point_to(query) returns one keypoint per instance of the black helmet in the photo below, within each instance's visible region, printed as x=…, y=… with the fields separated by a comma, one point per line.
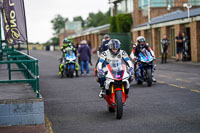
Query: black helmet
x=114, y=44
x=141, y=39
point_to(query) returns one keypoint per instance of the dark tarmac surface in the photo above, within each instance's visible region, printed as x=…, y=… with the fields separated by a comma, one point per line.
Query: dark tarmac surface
x=172, y=105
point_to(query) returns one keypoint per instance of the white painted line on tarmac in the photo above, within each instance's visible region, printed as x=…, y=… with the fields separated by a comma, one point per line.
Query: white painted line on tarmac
x=182, y=87
x=160, y=82
x=164, y=76
x=194, y=90
x=187, y=81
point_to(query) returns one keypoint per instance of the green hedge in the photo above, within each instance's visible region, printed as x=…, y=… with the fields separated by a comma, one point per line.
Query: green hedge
x=121, y=23
x=113, y=26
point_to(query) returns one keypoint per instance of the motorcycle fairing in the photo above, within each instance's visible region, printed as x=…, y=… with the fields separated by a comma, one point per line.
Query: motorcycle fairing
x=117, y=75
x=145, y=56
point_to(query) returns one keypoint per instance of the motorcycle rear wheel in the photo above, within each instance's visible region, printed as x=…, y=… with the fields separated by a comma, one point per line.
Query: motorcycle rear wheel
x=119, y=104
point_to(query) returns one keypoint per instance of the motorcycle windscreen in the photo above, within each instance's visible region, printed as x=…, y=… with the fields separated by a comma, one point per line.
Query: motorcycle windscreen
x=117, y=69
x=70, y=55
x=145, y=56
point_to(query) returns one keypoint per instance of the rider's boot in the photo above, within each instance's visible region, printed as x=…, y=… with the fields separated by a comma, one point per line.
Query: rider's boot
x=153, y=78
x=77, y=73
x=102, y=92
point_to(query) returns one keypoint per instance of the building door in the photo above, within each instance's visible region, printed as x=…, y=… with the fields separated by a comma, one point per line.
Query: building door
x=172, y=43
x=187, y=33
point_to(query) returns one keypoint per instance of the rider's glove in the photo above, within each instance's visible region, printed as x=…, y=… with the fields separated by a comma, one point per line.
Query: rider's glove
x=154, y=58
x=101, y=73
x=131, y=71
x=135, y=59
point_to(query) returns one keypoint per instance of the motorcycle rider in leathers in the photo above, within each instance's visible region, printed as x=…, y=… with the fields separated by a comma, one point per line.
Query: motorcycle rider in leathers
x=67, y=45
x=113, y=53
x=141, y=43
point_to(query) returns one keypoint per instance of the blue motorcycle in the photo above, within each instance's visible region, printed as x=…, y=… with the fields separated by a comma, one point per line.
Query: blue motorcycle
x=70, y=63
x=67, y=63
x=144, y=66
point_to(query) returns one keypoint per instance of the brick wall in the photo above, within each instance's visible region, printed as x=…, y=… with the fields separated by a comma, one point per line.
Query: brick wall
x=135, y=35
x=180, y=2
x=195, y=41
x=156, y=11
x=155, y=41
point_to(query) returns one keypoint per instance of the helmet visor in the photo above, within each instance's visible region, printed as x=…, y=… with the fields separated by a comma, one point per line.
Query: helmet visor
x=142, y=40
x=115, y=45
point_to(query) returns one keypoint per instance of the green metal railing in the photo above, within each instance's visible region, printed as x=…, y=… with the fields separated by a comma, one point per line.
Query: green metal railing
x=26, y=64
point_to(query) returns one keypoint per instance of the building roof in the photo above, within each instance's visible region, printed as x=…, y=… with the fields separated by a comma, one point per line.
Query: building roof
x=172, y=16
x=92, y=30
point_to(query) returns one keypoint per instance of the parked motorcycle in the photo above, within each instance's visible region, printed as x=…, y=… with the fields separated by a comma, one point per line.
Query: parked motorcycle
x=116, y=86
x=143, y=71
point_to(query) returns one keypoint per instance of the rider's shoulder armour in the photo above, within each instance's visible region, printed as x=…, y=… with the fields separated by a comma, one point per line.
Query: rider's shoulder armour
x=123, y=53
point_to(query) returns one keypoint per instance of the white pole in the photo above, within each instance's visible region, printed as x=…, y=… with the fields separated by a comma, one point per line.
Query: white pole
x=111, y=9
x=149, y=12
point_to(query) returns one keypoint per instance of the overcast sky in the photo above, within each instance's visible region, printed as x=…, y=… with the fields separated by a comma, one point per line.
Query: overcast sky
x=39, y=13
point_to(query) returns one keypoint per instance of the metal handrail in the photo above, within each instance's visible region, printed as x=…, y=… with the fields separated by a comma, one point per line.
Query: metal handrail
x=27, y=64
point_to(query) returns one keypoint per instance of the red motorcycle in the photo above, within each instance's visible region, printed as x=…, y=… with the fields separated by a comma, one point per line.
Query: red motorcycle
x=117, y=86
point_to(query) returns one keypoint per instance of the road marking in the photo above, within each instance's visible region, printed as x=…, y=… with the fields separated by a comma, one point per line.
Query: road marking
x=194, y=90
x=160, y=82
x=182, y=87
x=183, y=80
x=48, y=124
x=164, y=76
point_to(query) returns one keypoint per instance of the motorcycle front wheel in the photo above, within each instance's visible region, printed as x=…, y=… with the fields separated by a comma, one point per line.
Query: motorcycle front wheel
x=149, y=77
x=71, y=70
x=119, y=104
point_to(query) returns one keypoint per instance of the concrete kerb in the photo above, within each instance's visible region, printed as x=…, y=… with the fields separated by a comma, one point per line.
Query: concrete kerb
x=18, y=103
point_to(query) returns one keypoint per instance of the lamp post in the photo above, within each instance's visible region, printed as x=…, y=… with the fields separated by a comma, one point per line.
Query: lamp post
x=188, y=6
x=149, y=11
x=111, y=9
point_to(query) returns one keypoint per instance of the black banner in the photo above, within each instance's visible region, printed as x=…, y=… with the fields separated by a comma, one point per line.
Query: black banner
x=14, y=21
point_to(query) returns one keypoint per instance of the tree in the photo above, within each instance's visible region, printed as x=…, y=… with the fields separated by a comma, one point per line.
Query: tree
x=121, y=23
x=58, y=24
x=79, y=18
x=98, y=19
x=55, y=41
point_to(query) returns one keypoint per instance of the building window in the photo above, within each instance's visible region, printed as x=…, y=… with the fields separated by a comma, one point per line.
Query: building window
x=125, y=6
x=130, y=6
x=143, y=4
x=195, y=2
